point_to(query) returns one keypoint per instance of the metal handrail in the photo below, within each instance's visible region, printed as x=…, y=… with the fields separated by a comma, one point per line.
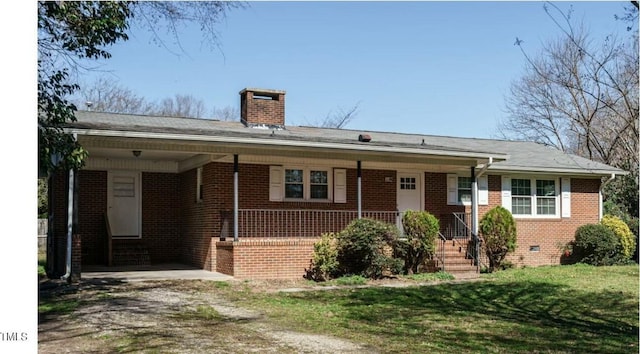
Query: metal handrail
x=443, y=242
x=465, y=242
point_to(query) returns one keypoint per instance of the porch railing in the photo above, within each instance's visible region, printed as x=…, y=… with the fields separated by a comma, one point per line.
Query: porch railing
x=297, y=223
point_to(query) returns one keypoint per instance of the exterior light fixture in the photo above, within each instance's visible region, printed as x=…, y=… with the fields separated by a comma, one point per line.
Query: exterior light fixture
x=136, y=153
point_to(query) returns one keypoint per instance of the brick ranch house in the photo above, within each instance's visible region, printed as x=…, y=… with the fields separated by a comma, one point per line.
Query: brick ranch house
x=250, y=198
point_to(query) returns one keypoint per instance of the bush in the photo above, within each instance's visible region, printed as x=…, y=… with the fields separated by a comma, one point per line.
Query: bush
x=499, y=231
x=364, y=248
x=597, y=245
x=624, y=234
x=324, y=265
x=421, y=231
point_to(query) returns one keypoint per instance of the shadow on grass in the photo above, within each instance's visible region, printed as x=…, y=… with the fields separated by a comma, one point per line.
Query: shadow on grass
x=489, y=317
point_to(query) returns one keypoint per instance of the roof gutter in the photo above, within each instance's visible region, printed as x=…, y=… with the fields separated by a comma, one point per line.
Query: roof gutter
x=600, y=201
x=485, y=167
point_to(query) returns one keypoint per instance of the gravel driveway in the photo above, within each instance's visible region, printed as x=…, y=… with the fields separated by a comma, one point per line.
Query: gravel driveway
x=166, y=317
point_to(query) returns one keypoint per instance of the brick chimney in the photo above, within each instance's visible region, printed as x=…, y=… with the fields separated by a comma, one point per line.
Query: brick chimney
x=262, y=108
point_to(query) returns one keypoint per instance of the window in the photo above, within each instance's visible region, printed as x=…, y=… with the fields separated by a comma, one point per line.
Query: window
x=459, y=190
x=319, y=184
x=408, y=183
x=521, y=196
x=534, y=197
x=294, y=184
x=464, y=190
x=305, y=184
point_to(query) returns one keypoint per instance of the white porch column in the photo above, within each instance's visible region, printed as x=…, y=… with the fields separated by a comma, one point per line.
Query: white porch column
x=235, y=198
x=474, y=215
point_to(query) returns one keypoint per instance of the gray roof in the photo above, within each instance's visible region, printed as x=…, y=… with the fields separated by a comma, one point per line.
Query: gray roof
x=521, y=156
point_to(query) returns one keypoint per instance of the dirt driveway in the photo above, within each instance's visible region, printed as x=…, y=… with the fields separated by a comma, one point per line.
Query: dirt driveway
x=169, y=316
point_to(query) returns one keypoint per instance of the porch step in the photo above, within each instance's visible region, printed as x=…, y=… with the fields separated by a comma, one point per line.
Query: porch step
x=455, y=260
x=130, y=254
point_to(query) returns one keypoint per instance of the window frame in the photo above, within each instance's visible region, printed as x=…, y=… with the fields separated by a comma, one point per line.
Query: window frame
x=470, y=189
x=306, y=183
x=533, y=197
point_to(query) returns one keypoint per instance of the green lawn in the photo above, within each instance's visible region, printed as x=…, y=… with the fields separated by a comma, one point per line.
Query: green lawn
x=561, y=309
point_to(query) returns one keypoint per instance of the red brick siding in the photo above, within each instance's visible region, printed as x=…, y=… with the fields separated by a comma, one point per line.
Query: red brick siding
x=161, y=216
x=262, y=111
x=552, y=234
x=267, y=259
x=202, y=221
x=435, y=196
x=92, y=205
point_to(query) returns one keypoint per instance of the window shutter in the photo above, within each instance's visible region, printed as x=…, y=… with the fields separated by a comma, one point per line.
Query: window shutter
x=452, y=189
x=339, y=185
x=483, y=190
x=566, y=197
x=276, y=181
x=506, y=193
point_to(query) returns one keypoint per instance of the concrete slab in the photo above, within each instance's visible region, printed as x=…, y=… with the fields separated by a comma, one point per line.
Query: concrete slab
x=154, y=272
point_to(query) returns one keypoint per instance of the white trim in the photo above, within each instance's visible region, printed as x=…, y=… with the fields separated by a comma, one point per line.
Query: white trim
x=565, y=197
x=339, y=185
x=483, y=190
x=276, y=183
x=306, y=183
x=533, y=196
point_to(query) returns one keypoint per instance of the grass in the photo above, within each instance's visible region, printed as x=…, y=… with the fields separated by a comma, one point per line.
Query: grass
x=557, y=309
x=42, y=261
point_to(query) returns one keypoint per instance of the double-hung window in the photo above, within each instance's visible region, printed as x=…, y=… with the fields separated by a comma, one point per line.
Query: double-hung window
x=319, y=184
x=464, y=190
x=306, y=184
x=535, y=197
x=294, y=184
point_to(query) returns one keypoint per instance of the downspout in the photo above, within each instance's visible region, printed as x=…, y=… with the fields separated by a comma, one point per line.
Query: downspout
x=474, y=206
x=359, y=189
x=235, y=198
x=600, y=202
x=70, y=214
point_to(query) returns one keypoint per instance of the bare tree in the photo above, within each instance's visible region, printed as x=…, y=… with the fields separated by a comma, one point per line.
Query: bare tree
x=107, y=95
x=180, y=106
x=579, y=97
x=339, y=118
x=227, y=113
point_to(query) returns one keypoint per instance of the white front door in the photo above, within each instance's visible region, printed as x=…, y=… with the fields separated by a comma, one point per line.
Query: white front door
x=409, y=193
x=123, y=203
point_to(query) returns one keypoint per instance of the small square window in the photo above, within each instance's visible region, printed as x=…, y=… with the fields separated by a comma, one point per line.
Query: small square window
x=408, y=183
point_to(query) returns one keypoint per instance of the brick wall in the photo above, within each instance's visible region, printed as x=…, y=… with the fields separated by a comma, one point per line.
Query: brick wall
x=92, y=206
x=202, y=221
x=268, y=110
x=550, y=234
x=266, y=259
x=161, y=216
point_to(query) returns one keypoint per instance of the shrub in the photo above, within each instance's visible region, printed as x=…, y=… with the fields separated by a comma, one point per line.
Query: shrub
x=324, y=265
x=499, y=231
x=364, y=248
x=622, y=231
x=421, y=230
x=597, y=245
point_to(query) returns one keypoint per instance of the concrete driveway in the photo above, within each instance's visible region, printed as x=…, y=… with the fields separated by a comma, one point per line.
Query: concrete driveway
x=154, y=272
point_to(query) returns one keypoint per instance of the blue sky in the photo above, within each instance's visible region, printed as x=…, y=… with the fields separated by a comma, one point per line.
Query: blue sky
x=438, y=68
